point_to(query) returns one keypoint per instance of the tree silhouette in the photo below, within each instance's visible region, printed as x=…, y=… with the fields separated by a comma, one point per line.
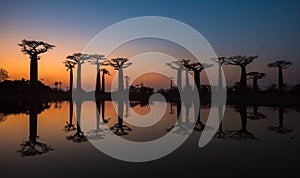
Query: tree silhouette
x=281, y=128
x=255, y=76
x=177, y=65
x=95, y=60
x=255, y=115
x=32, y=147
x=281, y=64
x=79, y=59
x=241, y=61
x=79, y=136
x=119, y=64
x=119, y=128
x=220, y=61
x=243, y=133
x=69, y=125
x=104, y=72
x=3, y=75
x=186, y=63
x=197, y=68
x=70, y=65
x=34, y=49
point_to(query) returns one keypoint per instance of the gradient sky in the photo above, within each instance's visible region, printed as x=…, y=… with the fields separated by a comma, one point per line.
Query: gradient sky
x=269, y=29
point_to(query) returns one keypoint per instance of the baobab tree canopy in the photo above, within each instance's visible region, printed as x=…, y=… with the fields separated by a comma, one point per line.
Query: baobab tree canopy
x=77, y=57
x=240, y=60
x=281, y=63
x=118, y=63
x=34, y=48
x=256, y=75
x=197, y=66
x=69, y=64
x=220, y=60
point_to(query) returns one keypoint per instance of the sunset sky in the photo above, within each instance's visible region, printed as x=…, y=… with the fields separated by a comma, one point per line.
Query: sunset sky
x=269, y=29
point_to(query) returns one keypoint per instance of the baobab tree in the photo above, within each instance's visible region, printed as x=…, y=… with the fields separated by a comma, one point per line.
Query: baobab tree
x=186, y=63
x=281, y=64
x=243, y=133
x=220, y=61
x=34, y=49
x=79, y=58
x=197, y=68
x=96, y=59
x=70, y=65
x=119, y=64
x=3, y=75
x=177, y=65
x=69, y=125
x=32, y=146
x=241, y=61
x=104, y=72
x=255, y=76
x=281, y=128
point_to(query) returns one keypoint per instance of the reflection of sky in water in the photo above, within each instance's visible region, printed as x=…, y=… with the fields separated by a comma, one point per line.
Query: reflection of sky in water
x=273, y=151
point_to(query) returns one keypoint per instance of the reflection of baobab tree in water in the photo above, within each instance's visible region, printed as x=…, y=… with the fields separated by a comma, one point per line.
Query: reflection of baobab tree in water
x=281, y=128
x=119, y=128
x=243, y=133
x=32, y=147
x=220, y=133
x=96, y=134
x=183, y=127
x=255, y=115
x=69, y=125
x=79, y=136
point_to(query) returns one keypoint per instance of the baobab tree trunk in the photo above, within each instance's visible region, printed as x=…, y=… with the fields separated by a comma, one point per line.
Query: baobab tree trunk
x=243, y=80
x=33, y=71
x=97, y=90
x=121, y=82
x=33, y=125
x=179, y=80
x=103, y=82
x=243, y=115
x=187, y=81
x=71, y=81
x=280, y=80
x=220, y=81
x=197, y=80
x=79, y=88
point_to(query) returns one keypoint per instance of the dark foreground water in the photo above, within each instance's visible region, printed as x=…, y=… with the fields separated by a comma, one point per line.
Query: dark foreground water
x=265, y=143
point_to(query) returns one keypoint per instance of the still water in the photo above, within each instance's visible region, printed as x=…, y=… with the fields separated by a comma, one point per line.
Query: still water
x=255, y=141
